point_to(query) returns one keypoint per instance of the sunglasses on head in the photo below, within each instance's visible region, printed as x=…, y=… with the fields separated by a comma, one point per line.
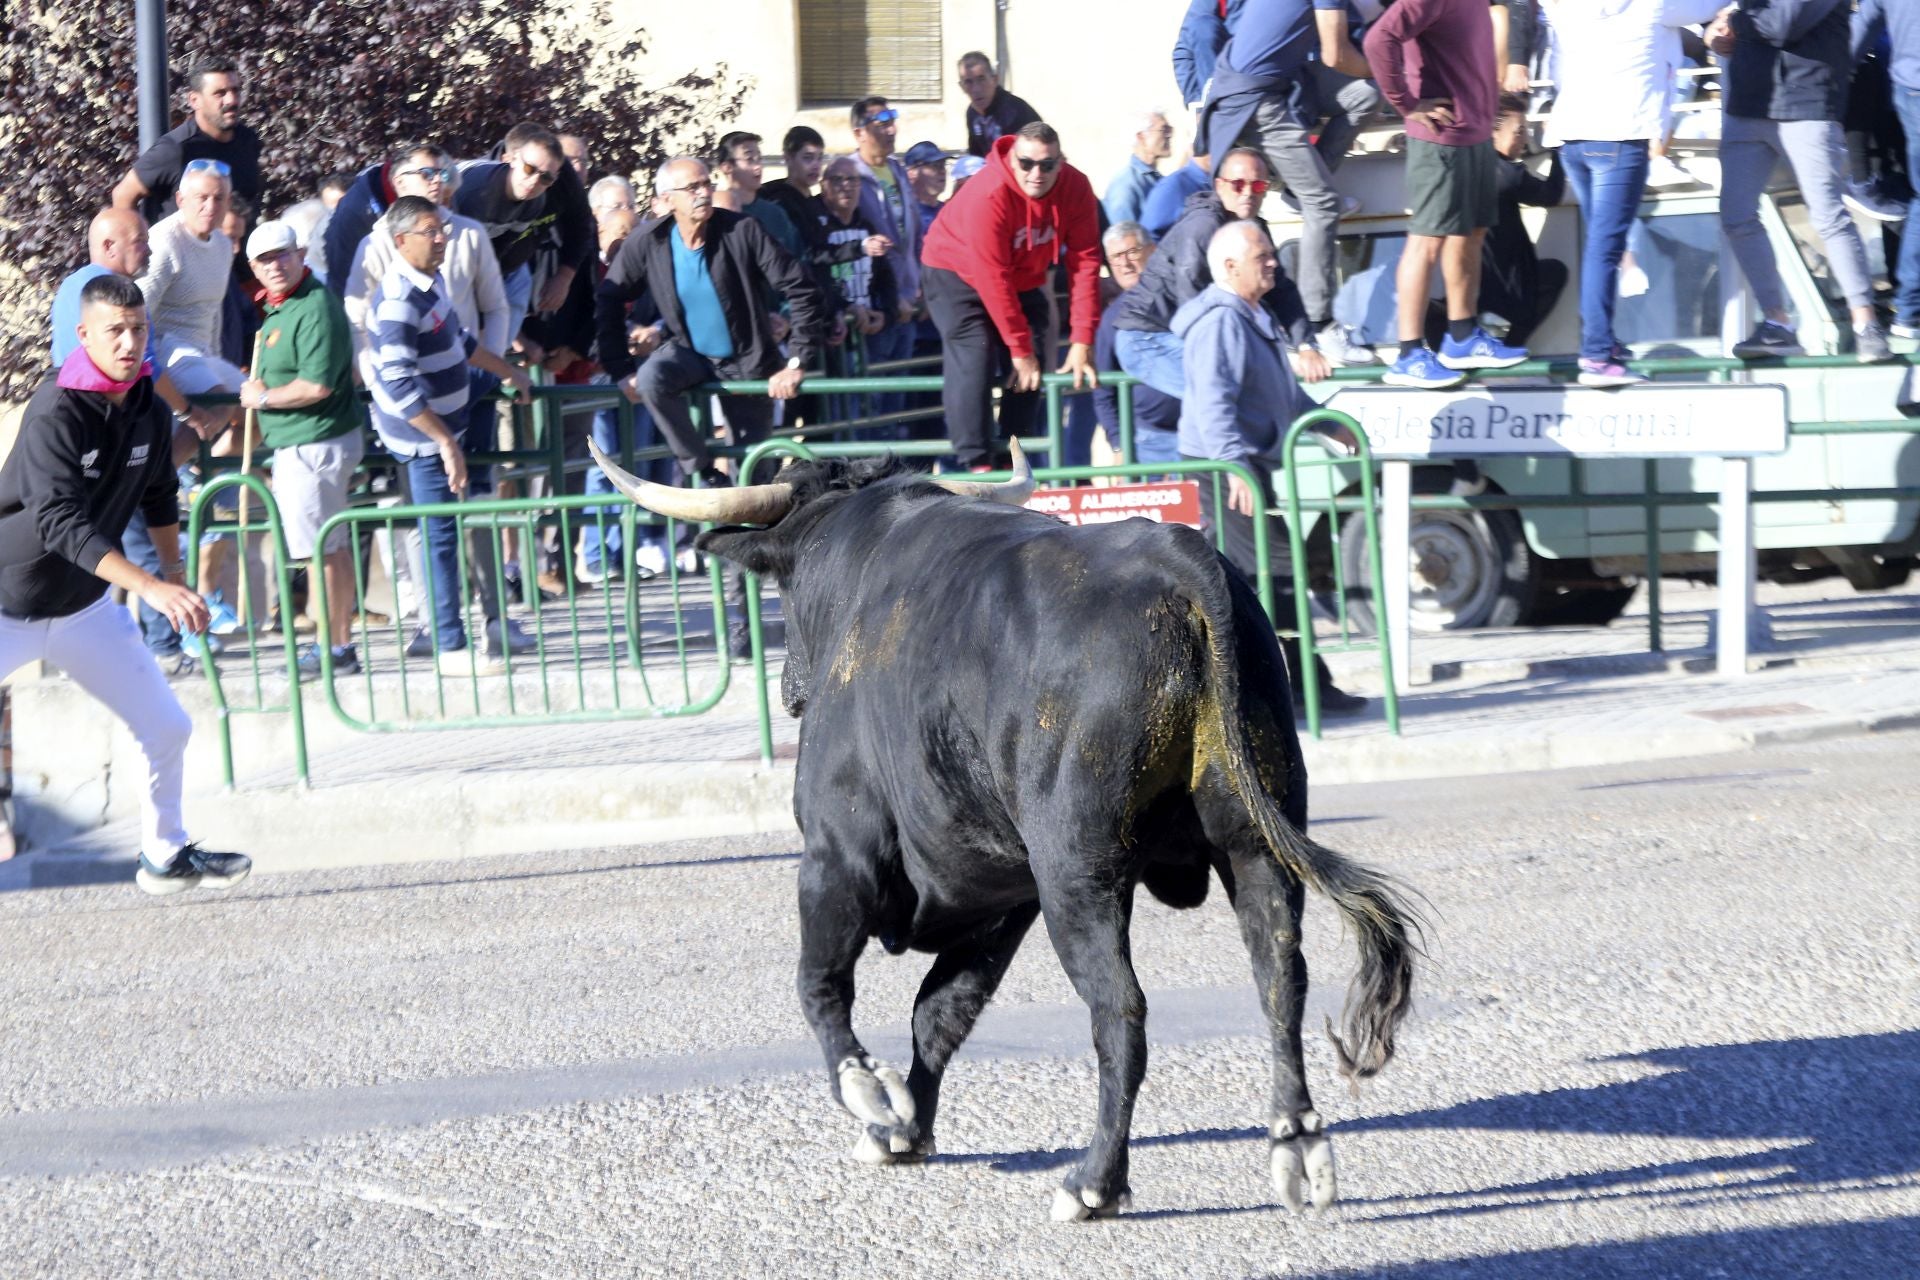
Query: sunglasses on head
x=1240, y=186
x=1028, y=164
x=881, y=117
x=208, y=166
x=538, y=174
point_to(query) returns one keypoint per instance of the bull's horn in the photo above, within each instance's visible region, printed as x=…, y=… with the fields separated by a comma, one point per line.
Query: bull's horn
x=745, y=504
x=1014, y=492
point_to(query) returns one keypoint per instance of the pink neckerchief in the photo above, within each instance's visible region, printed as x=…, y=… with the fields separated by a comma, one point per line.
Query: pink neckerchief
x=80, y=373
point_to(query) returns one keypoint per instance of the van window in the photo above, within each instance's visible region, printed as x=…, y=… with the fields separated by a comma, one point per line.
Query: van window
x=1669, y=281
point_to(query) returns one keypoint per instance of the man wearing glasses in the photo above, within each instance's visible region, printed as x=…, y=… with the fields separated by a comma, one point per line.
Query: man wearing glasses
x=516, y=200
x=1127, y=193
x=986, y=265
x=212, y=131
x=359, y=210
x=992, y=112
x=707, y=271
x=185, y=286
x=1143, y=337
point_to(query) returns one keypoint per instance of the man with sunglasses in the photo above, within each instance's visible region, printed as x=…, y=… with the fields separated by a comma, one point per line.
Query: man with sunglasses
x=358, y=211
x=986, y=265
x=992, y=112
x=211, y=131
x=523, y=199
x=1143, y=338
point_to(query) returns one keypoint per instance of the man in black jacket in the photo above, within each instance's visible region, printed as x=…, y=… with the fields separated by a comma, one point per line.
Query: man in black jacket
x=1178, y=272
x=708, y=271
x=95, y=445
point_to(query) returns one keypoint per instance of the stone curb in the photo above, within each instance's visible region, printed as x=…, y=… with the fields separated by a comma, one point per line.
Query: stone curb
x=455, y=816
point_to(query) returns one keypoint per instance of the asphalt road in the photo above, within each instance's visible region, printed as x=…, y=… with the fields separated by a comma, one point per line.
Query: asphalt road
x=1670, y=1027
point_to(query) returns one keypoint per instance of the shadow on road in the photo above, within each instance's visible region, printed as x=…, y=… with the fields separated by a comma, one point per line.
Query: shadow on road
x=1836, y=1113
x=1841, y=1249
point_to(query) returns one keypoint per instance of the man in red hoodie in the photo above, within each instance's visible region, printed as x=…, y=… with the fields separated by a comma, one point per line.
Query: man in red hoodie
x=984, y=276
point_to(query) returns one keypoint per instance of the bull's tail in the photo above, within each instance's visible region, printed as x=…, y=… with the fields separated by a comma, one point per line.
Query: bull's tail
x=1388, y=928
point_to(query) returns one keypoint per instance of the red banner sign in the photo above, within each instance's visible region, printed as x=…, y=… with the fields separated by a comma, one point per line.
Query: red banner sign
x=1173, y=502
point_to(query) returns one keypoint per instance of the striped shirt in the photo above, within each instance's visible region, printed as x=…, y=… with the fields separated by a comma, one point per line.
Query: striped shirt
x=420, y=355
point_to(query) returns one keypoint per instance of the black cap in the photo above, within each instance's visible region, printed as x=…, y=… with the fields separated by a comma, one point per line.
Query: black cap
x=923, y=153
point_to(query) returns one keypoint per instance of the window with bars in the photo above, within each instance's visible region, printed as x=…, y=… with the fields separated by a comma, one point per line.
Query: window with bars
x=850, y=49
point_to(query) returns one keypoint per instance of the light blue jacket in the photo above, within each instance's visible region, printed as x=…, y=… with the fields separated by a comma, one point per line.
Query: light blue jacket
x=1241, y=395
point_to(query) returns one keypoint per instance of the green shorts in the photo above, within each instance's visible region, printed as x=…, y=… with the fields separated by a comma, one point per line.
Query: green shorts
x=1450, y=190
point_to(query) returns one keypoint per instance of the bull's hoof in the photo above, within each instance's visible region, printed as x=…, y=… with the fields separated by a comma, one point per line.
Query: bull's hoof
x=882, y=1147
x=1302, y=1166
x=1086, y=1205
x=875, y=1094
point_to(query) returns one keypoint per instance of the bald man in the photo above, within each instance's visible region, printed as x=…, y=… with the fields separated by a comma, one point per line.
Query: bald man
x=117, y=245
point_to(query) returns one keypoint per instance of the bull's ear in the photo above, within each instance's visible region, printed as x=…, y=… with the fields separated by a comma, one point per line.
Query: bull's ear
x=762, y=551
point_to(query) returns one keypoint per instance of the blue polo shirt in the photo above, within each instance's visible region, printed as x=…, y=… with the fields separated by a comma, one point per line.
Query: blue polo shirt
x=1273, y=39
x=699, y=301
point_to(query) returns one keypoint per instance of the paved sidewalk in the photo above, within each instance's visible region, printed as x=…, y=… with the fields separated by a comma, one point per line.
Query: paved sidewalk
x=1486, y=702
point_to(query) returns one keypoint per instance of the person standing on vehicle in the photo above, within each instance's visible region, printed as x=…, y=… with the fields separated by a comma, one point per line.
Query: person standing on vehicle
x=1788, y=66
x=95, y=445
x=1615, y=101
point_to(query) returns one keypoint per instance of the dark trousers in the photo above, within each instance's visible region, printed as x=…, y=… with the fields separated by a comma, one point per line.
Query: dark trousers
x=973, y=355
x=664, y=380
x=1233, y=533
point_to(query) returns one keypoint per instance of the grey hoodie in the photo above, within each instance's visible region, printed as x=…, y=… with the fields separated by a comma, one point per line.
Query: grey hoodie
x=1241, y=395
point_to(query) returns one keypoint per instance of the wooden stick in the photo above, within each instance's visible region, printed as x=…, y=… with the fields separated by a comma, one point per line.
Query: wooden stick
x=249, y=422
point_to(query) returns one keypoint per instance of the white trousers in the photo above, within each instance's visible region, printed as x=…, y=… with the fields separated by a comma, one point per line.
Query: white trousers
x=100, y=647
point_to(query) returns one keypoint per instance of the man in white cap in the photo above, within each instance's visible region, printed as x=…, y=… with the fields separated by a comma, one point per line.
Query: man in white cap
x=310, y=418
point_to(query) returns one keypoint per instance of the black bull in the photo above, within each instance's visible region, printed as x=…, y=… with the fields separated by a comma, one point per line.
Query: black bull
x=1005, y=717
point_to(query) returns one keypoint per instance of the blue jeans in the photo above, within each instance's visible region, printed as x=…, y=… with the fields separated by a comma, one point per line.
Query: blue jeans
x=1906, y=298
x=1608, y=179
x=1155, y=444
x=1154, y=358
x=426, y=483
x=519, y=287
x=606, y=434
x=136, y=544
x=895, y=342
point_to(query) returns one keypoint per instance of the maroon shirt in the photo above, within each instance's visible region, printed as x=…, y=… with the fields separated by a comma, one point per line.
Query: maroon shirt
x=1438, y=49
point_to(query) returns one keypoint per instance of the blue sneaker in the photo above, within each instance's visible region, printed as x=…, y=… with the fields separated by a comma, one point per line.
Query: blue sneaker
x=1422, y=369
x=1480, y=350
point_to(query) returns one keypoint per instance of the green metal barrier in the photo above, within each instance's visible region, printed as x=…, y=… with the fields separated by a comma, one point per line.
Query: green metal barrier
x=1297, y=545
x=269, y=524
x=581, y=650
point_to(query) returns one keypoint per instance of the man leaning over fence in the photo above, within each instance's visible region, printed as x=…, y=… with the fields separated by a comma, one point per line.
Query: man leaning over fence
x=303, y=391
x=420, y=402
x=708, y=271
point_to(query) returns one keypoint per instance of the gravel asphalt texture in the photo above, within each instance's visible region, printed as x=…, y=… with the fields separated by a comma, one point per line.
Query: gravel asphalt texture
x=1670, y=1026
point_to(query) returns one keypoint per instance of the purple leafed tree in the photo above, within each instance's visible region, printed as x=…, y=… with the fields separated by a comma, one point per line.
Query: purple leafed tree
x=329, y=84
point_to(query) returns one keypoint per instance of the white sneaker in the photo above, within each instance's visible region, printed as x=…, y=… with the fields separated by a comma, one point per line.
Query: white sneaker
x=1664, y=172
x=1343, y=344
x=1899, y=330
x=650, y=560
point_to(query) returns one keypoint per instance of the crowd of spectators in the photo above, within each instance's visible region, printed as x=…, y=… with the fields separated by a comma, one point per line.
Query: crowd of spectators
x=421, y=282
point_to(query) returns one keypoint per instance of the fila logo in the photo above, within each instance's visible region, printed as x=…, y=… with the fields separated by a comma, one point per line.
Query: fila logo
x=138, y=455
x=90, y=457
x=1022, y=241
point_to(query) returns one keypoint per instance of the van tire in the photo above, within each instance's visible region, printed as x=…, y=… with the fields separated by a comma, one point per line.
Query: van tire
x=1488, y=576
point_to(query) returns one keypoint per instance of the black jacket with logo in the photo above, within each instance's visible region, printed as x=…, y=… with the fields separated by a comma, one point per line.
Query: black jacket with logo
x=79, y=470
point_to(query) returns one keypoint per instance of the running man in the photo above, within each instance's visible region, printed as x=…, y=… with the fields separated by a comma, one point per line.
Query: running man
x=95, y=445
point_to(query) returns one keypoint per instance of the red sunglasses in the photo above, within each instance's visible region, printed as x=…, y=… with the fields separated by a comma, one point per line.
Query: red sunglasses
x=1240, y=185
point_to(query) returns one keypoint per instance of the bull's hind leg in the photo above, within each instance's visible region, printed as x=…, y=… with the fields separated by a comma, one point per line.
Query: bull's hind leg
x=1087, y=916
x=833, y=933
x=1268, y=902
x=963, y=978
